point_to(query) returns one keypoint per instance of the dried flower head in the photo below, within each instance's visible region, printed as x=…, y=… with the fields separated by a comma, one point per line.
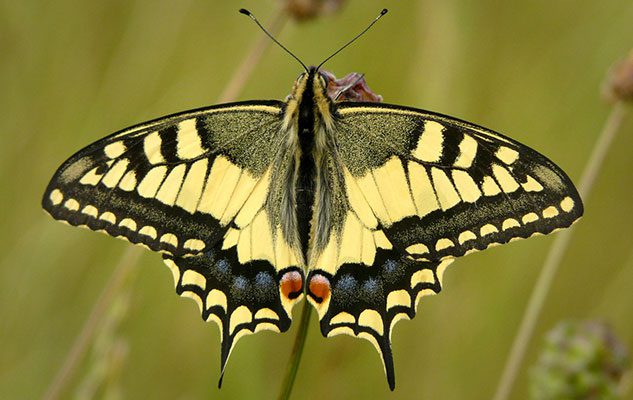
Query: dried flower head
x=304, y=10
x=619, y=83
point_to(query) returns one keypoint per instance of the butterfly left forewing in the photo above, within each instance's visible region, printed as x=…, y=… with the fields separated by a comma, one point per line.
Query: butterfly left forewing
x=422, y=189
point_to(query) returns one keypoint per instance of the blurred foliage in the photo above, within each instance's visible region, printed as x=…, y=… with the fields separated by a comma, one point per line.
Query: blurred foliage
x=72, y=72
x=580, y=361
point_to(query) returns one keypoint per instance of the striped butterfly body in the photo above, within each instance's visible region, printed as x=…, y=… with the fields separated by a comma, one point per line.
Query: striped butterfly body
x=358, y=206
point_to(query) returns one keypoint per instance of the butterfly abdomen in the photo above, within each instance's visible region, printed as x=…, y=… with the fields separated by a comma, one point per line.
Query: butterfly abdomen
x=305, y=187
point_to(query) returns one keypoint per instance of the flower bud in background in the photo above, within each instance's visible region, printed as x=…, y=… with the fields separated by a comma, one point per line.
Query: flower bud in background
x=619, y=83
x=580, y=360
x=304, y=10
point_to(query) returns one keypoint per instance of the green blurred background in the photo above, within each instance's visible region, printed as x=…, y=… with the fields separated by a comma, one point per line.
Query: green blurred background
x=74, y=71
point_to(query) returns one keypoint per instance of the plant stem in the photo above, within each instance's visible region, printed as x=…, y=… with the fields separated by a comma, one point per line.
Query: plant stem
x=297, y=351
x=554, y=257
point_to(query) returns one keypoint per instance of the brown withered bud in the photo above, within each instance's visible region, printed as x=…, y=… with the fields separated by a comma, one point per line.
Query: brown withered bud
x=351, y=87
x=303, y=10
x=618, y=85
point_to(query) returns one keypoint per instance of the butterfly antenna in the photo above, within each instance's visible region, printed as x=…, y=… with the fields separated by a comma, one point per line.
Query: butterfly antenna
x=383, y=12
x=248, y=13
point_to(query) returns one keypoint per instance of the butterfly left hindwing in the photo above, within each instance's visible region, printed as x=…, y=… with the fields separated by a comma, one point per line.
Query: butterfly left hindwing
x=197, y=187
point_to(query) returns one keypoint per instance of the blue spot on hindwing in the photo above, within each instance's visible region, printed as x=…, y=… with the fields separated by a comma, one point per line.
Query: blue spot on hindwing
x=392, y=271
x=371, y=292
x=265, y=287
x=241, y=289
x=345, y=291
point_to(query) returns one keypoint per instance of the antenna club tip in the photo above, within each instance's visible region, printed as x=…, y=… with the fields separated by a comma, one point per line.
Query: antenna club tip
x=245, y=12
x=384, y=11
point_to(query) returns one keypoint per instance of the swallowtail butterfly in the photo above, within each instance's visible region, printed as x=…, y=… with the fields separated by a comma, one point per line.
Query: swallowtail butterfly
x=357, y=206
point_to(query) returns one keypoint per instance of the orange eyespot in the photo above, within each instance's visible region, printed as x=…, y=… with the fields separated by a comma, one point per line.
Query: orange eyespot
x=291, y=284
x=319, y=288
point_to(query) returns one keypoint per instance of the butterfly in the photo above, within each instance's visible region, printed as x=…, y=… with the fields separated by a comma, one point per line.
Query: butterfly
x=358, y=206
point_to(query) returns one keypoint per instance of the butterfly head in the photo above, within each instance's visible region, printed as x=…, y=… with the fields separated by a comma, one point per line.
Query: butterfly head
x=318, y=81
x=309, y=96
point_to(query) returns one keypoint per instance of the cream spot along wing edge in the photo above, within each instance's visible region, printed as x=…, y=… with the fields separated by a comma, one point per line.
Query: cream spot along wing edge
x=445, y=209
x=175, y=185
